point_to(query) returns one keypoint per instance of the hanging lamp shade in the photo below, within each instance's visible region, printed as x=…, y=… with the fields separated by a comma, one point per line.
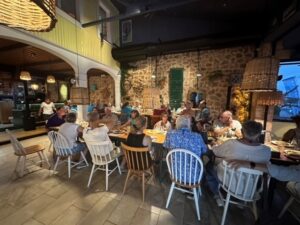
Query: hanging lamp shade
x=50, y=79
x=31, y=15
x=79, y=96
x=34, y=86
x=260, y=75
x=25, y=75
x=270, y=98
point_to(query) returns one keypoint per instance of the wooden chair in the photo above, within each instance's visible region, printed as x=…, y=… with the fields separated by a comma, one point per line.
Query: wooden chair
x=293, y=199
x=241, y=184
x=102, y=156
x=139, y=164
x=23, y=152
x=186, y=170
x=62, y=150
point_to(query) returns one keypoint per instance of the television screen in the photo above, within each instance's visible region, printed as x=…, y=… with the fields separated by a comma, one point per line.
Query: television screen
x=289, y=84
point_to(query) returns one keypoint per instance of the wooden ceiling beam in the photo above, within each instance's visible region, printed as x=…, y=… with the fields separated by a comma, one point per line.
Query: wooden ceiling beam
x=12, y=47
x=57, y=61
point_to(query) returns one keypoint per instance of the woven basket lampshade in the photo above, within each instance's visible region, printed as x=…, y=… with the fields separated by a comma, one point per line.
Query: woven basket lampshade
x=79, y=96
x=50, y=79
x=260, y=75
x=31, y=15
x=25, y=75
x=270, y=98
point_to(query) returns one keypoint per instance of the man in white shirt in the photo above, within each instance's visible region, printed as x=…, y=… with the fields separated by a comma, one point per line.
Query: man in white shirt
x=225, y=125
x=47, y=109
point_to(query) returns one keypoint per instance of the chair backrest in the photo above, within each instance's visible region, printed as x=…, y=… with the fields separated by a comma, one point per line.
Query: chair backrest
x=17, y=146
x=100, y=152
x=60, y=143
x=137, y=158
x=241, y=183
x=185, y=167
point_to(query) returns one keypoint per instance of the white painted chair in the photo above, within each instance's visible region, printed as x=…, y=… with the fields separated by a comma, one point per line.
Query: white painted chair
x=62, y=149
x=102, y=156
x=293, y=199
x=241, y=184
x=23, y=152
x=186, y=170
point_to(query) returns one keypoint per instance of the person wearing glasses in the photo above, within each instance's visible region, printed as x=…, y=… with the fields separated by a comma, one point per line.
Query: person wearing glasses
x=227, y=126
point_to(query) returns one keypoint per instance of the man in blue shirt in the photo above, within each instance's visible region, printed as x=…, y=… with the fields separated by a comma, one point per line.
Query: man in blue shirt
x=56, y=119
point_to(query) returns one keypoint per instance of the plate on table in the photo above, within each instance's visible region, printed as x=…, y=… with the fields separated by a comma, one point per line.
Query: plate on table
x=283, y=143
x=117, y=132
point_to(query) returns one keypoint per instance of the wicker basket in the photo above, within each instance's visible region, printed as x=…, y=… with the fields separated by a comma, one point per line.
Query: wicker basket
x=31, y=15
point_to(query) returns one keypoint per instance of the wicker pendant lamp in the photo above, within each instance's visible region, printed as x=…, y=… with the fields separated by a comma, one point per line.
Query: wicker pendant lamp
x=260, y=75
x=31, y=15
x=79, y=96
x=270, y=98
x=25, y=75
x=51, y=79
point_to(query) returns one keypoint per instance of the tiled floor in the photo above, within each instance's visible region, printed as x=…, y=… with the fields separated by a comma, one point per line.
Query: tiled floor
x=43, y=198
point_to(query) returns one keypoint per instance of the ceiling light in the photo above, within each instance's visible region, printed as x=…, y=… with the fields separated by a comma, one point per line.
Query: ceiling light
x=25, y=75
x=34, y=86
x=50, y=79
x=33, y=15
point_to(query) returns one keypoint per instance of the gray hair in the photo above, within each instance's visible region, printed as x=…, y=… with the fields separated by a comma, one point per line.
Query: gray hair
x=251, y=130
x=183, y=122
x=71, y=117
x=93, y=116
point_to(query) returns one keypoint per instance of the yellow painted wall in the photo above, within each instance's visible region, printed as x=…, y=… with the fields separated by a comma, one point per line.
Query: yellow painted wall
x=85, y=41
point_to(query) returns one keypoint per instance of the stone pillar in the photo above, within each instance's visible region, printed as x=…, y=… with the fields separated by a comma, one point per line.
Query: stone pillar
x=117, y=80
x=82, y=109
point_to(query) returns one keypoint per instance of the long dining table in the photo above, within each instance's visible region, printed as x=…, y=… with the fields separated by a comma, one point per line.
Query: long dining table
x=158, y=137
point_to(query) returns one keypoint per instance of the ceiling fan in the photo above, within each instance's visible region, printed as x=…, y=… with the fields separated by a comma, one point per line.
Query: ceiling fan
x=138, y=10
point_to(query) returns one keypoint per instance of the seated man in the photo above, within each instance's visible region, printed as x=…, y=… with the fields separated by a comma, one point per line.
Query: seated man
x=109, y=119
x=163, y=124
x=181, y=108
x=71, y=131
x=247, y=149
x=225, y=125
x=293, y=134
x=57, y=119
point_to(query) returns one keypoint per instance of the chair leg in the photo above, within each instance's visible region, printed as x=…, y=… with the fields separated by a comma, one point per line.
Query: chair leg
x=50, y=146
x=286, y=206
x=83, y=157
x=118, y=165
x=41, y=159
x=23, y=166
x=170, y=194
x=199, y=191
x=127, y=178
x=196, y=202
x=255, y=210
x=17, y=164
x=55, y=166
x=46, y=158
x=143, y=185
x=106, y=177
x=91, y=175
x=225, y=209
x=69, y=166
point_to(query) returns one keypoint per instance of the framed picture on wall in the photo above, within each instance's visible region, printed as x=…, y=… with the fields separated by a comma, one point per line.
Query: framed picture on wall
x=126, y=31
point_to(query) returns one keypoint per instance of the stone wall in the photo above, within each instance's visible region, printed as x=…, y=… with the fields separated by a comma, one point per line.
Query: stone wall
x=220, y=68
x=102, y=89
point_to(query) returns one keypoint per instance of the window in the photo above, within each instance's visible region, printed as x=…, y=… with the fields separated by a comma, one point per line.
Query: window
x=102, y=26
x=68, y=6
x=289, y=84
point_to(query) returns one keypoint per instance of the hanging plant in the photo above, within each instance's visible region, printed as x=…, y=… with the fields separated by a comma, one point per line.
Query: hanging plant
x=214, y=75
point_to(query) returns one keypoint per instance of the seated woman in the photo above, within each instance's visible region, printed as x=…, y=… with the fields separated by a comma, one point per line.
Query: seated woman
x=132, y=121
x=163, y=124
x=199, y=127
x=96, y=132
x=136, y=137
x=71, y=131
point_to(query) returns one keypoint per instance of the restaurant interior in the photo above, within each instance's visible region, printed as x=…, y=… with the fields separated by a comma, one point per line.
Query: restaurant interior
x=190, y=109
